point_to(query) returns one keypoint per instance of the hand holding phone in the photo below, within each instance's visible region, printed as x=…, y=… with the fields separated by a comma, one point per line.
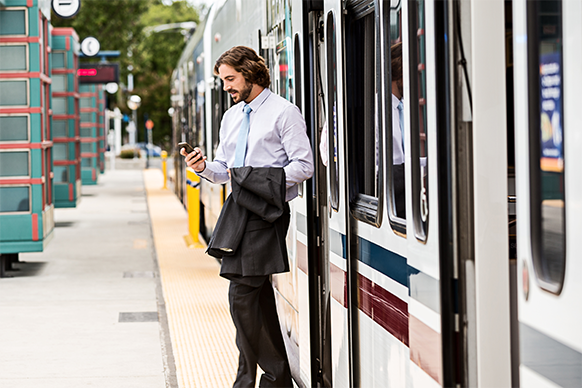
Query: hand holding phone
x=187, y=147
x=194, y=158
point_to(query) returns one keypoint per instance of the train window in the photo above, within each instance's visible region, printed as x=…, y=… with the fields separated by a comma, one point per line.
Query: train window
x=418, y=118
x=13, y=22
x=86, y=132
x=297, y=71
x=363, y=118
x=59, y=60
x=59, y=105
x=88, y=148
x=60, y=128
x=546, y=134
x=298, y=91
x=87, y=162
x=285, y=76
x=394, y=114
x=332, y=112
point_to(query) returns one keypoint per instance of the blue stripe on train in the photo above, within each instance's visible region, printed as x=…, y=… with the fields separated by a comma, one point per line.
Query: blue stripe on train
x=421, y=286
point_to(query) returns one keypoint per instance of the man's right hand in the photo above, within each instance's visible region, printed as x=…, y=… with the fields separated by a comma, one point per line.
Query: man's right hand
x=194, y=159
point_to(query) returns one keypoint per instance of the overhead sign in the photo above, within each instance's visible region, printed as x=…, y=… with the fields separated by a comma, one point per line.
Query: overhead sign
x=66, y=8
x=90, y=46
x=98, y=73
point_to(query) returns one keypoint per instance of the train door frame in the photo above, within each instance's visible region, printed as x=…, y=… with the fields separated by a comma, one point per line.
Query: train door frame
x=316, y=191
x=549, y=314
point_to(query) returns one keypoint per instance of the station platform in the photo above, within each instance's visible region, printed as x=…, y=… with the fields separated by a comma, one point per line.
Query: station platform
x=117, y=299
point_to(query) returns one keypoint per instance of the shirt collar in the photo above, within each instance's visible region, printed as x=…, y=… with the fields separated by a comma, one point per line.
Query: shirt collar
x=258, y=101
x=395, y=101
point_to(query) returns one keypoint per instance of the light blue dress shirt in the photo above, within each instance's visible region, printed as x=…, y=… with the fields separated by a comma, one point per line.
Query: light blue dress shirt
x=277, y=138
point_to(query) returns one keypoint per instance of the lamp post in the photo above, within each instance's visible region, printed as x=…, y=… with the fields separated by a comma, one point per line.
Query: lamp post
x=133, y=102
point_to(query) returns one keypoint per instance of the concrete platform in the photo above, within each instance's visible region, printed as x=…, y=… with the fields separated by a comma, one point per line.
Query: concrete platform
x=95, y=310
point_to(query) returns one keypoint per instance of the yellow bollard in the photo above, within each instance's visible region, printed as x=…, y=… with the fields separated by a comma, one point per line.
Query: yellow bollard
x=193, y=195
x=164, y=168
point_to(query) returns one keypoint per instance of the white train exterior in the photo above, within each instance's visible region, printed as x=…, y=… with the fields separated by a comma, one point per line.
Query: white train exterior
x=475, y=285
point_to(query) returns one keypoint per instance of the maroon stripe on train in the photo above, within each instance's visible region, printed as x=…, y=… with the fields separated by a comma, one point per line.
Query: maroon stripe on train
x=302, y=257
x=425, y=348
x=384, y=308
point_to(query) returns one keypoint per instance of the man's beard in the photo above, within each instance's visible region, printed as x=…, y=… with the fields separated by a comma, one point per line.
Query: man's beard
x=243, y=94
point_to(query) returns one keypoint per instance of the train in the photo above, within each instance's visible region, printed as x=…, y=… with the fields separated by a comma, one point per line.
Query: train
x=471, y=283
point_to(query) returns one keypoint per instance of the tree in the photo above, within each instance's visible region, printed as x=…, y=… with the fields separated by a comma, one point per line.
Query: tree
x=122, y=25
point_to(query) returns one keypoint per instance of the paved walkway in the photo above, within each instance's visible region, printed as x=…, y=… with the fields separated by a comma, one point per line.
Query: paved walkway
x=89, y=311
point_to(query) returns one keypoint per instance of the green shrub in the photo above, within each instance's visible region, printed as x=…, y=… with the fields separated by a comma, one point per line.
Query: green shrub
x=129, y=154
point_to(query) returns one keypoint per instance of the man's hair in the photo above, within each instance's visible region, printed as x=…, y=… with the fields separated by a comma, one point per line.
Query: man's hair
x=396, y=61
x=246, y=61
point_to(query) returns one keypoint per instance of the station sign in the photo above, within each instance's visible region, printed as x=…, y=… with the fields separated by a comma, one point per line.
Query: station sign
x=90, y=46
x=98, y=73
x=66, y=8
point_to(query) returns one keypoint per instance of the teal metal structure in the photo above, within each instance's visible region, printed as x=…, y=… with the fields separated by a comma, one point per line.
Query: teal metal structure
x=26, y=146
x=65, y=118
x=92, y=105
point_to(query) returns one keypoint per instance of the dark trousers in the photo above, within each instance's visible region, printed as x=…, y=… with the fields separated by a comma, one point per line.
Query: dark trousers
x=258, y=333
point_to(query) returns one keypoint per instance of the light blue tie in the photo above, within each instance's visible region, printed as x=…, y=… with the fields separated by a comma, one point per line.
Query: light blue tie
x=243, y=134
x=401, y=121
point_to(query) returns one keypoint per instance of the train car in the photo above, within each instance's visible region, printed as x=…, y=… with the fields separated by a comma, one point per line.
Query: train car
x=429, y=248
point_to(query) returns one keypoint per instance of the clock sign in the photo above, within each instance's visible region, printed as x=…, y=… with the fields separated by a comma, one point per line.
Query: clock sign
x=90, y=46
x=66, y=8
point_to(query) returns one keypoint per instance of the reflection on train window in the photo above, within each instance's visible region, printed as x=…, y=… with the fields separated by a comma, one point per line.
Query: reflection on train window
x=418, y=118
x=14, y=199
x=548, y=205
x=332, y=106
x=298, y=91
x=363, y=119
x=394, y=113
x=297, y=71
x=285, y=76
x=61, y=174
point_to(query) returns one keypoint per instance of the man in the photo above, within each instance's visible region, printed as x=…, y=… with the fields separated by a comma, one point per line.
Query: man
x=276, y=139
x=398, y=130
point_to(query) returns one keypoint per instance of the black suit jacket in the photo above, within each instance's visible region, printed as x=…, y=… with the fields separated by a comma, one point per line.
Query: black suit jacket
x=250, y=233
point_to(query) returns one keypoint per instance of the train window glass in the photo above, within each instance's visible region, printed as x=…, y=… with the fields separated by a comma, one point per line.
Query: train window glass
x=394, y=113
x=297, y=71
x=14, y=199
x=363, y=119
x=418, y=118
x=13, y=58
x=298, y=91
x=285, y=81
x=14, y=163
x=332, y=105
x=86, y=162
x=546, y=131
x=13, y=128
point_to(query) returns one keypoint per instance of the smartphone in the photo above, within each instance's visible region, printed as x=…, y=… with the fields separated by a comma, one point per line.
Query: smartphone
x=187, y=147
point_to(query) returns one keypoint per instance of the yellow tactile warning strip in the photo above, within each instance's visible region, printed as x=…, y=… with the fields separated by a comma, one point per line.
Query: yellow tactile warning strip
x=196, y=297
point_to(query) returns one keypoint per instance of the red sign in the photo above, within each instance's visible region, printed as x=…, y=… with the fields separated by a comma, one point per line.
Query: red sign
x=98, y=73
x=149, y=124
